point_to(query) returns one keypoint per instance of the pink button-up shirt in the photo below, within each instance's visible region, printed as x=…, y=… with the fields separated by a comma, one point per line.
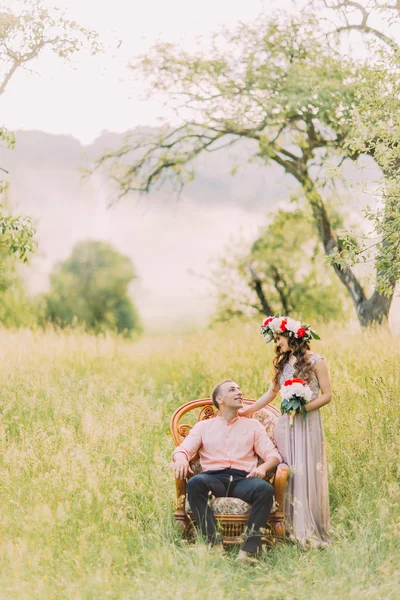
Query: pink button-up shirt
x=223, y=444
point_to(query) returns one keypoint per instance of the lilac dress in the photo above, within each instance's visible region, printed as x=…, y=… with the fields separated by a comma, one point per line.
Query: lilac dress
x=303, y=449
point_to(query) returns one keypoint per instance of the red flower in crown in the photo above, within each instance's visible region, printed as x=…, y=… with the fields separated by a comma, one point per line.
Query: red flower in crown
x=283, y=325
x=301, y=332
x=267, y=321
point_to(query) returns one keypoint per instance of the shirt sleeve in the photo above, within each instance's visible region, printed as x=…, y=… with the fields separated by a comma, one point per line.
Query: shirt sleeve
x=263, y=445
x=190, y=444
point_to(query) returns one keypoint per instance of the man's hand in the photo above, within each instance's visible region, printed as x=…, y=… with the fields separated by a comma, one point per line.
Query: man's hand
x=181, y=468
x=265, y=470
x=259, y=472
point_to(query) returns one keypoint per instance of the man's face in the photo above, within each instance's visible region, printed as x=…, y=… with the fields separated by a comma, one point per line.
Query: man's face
x=230, y=395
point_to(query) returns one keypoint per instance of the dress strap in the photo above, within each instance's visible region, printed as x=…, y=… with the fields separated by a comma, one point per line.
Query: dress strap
x=315, y=357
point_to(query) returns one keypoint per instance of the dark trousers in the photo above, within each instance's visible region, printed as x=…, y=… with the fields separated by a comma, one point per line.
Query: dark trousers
x=233, y=483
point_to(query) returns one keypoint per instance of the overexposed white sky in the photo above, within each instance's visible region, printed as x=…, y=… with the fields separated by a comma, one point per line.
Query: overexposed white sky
x=91, y=94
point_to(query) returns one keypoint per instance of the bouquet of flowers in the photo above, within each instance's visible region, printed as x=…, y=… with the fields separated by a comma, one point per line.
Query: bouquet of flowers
x=295, y=394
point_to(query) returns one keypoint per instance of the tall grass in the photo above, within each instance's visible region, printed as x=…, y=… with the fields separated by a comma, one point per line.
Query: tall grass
x=86, y=495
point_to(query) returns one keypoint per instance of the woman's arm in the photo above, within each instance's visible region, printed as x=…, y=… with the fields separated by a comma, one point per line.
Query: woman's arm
x=324, y=381
x=261, y=402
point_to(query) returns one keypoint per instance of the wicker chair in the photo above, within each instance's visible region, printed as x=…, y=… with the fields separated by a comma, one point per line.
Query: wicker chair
x=231, y=513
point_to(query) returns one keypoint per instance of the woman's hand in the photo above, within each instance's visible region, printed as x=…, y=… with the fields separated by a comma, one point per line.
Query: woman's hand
x=260, y=403
x=246, y=412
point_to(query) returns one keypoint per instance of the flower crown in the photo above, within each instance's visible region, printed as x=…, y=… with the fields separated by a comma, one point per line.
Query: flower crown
x=277, y=325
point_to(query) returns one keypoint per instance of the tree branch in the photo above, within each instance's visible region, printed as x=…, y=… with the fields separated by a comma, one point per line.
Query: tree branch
x=371, y=30
x=256, y=284
x=363, y=27
x=20, y=60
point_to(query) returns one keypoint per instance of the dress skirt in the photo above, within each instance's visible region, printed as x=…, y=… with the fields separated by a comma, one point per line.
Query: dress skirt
x=302, y=447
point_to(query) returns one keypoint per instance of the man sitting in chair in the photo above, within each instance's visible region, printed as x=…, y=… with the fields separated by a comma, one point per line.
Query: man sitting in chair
x=228, y=446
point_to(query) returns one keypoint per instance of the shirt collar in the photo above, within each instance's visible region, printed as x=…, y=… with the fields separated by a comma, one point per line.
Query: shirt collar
x=231, y=422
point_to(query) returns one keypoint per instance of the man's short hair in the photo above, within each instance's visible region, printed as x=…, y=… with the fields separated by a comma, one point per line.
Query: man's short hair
x=216, y=391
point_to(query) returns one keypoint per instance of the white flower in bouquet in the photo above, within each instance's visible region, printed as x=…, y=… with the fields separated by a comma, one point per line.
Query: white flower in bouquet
x=295, y=394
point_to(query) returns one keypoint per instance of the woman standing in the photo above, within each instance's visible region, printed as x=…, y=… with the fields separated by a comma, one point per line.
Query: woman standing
x=301, y=446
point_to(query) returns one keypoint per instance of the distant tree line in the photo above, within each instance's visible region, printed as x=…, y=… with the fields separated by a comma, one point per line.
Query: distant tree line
x=88, y=290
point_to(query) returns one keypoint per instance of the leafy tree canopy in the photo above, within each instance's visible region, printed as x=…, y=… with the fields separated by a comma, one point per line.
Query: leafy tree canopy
x=91, y=288
x=279, y=84
x=283, y=272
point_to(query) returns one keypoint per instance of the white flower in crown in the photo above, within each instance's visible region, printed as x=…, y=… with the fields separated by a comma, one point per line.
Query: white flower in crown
x=277, y=325
x=293, y=325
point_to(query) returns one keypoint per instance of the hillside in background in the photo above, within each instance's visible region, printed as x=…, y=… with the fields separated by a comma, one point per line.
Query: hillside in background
x=164, y=236
x=168, y=239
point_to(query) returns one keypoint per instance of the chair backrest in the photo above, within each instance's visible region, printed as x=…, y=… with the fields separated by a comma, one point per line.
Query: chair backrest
x=200, y=410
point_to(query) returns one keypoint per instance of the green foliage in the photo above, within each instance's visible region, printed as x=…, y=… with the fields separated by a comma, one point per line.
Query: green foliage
x=16, y=232
x=91, y=288
x=16, y=235
x=17, y=308
x=126, y=316
x=287, y=258
x=28, y=27
x=7, y=137
x=279, y=83
x=374, y=129
x=273, y=82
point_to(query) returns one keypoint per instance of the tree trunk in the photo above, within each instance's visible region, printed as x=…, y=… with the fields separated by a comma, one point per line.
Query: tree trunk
x=256, y=284
x=369, y=310
x=282, y=288
x=375, y=309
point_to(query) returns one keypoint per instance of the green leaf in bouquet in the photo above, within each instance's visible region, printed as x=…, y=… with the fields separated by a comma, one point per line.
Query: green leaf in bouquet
x=294, y=404
x=288, y=405
x=285, y=406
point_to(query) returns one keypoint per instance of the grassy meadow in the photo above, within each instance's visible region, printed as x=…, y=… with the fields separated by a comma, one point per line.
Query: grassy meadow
x=87, y=497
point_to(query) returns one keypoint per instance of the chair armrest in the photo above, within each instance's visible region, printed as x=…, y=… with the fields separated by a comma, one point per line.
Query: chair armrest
x=279, y=483
x=180, y=485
